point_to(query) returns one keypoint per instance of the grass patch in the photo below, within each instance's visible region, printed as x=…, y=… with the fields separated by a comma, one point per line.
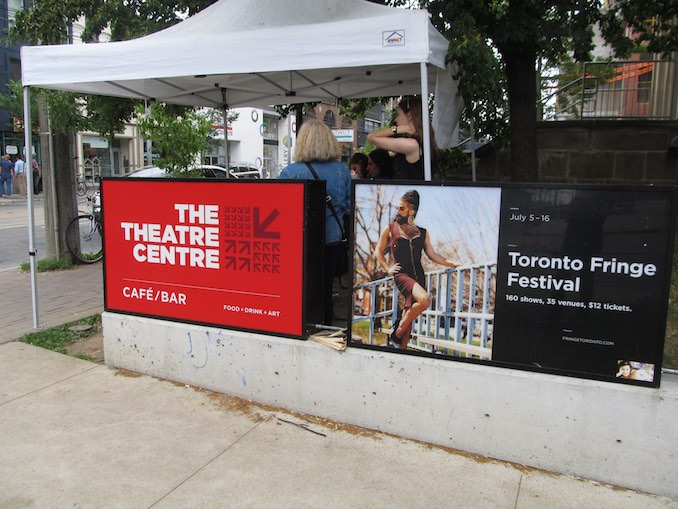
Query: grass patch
x=90, y=256
x=58, y=338
x=362, y=330
x=48, y=264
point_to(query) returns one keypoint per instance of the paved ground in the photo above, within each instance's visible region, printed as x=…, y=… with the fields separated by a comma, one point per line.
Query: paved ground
x=80, y=434
x=62, y=296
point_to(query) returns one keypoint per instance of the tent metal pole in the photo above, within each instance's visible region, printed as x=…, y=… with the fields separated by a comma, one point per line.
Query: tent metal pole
x=28, y=158
x=225, y=109
x=426, y=121
x=148, y=144
x=289, y=138
x=228, y=162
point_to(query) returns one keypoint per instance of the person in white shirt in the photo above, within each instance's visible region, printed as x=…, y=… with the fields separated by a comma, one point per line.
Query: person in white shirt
x=20, y=176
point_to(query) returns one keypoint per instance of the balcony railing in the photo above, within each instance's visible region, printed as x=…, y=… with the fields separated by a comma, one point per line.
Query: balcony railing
x=617, y=90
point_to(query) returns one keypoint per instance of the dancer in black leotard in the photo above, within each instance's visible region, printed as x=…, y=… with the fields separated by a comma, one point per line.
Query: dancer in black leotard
x=406, y=242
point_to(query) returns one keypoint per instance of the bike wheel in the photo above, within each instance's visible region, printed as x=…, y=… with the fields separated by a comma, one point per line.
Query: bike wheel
x=83, y=238
x=81, y=188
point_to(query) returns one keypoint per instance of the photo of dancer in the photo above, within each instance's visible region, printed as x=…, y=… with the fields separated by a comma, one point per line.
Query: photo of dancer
x=406, y=241
x=440, y=303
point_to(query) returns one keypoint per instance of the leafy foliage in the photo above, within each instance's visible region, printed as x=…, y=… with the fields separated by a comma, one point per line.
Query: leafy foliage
x=452, y=162
x=180, y=139
x=13, y=102
x=108, y=115
x=496, y=43
x=653, y=23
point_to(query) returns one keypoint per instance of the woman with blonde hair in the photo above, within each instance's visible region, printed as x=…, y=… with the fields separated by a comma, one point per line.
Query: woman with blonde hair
x=405, y=139
x=318, y=148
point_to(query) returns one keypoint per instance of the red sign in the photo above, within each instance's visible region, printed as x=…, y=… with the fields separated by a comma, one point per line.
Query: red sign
x=221, y=253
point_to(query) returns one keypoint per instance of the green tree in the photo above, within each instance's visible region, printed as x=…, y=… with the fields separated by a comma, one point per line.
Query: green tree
x=521, y=33
x=108, y=116
x=180, y=139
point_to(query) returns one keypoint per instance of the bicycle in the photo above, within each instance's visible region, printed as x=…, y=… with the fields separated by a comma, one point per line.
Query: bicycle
x=84, y=233
x=81, y=186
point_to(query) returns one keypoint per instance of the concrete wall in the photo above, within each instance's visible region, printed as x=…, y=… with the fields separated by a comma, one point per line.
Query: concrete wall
x=609, y=432
x=597, y=151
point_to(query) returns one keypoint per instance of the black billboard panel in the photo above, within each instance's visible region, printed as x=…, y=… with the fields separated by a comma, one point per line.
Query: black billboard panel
x=569, y=280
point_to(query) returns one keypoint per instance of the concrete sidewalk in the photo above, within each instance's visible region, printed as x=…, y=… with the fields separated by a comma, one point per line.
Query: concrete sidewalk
x=62, y=296
x=79, y=434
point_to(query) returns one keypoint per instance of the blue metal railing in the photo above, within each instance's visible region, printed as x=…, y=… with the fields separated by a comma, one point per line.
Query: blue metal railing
x=459, y=321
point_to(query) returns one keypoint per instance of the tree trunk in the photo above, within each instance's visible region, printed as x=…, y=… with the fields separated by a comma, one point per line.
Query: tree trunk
x=45, y=169
x=67, y=206
x=522, y=92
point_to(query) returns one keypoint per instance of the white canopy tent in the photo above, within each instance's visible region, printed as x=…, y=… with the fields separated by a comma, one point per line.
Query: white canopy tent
x=264, y=52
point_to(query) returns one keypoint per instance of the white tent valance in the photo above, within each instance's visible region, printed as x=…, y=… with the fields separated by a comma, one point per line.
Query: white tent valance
x=262, y=52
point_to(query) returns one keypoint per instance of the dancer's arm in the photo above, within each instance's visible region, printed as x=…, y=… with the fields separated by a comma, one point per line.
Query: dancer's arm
x=435, y=257
x=388, y=139
x=379, y=253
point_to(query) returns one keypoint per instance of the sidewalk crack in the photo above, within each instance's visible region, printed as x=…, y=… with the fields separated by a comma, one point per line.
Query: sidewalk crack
x=520, y=482
x=204, y=466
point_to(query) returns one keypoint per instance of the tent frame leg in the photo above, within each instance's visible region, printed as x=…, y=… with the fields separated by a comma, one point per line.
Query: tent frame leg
x=28, y=161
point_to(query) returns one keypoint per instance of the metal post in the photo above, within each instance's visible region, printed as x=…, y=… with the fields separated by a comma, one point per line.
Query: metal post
x=583, y=92
x=426, y=122
x=225, y=108
x=473, y=152
x=31, y=216
x=148, y=144
x=289, y=138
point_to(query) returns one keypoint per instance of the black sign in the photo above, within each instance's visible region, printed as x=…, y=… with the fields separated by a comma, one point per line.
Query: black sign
x=577, y=285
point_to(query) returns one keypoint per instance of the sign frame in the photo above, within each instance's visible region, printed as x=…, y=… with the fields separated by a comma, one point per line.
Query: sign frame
x=663, y=261
x=308, y=235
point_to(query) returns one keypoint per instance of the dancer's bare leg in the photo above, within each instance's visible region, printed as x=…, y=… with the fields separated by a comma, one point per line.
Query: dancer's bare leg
x=422, y=301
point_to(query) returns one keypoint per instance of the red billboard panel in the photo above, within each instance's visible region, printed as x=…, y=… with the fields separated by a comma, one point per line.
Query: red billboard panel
x=222, y=253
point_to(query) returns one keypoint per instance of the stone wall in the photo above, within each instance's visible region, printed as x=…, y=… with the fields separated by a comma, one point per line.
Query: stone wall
x=609, y=432
x=596, y=152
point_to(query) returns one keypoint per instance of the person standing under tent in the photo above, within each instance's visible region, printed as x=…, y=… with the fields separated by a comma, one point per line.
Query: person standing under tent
x=405, y=140
x=358, y=166
x=36, y=177
x=318, y=147
x=6, y=174
x=379, y=165
x=20, y=176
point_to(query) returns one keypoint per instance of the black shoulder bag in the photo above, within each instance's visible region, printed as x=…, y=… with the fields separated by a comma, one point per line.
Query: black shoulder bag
x=342, y=262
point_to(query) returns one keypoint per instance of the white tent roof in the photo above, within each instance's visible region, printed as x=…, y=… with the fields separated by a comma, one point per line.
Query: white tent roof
x=256, y=52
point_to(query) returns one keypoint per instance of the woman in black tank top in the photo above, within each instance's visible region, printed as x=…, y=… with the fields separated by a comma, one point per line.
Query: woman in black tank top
x=404, y=139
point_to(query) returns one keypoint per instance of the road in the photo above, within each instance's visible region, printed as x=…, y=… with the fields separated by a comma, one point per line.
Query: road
x=14, y=232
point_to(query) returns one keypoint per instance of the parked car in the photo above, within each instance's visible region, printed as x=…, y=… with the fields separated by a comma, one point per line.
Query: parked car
x=210, y=171
x=244, y=171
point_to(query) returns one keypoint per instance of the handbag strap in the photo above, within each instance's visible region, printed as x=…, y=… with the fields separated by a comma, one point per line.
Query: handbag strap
x=328, y=200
